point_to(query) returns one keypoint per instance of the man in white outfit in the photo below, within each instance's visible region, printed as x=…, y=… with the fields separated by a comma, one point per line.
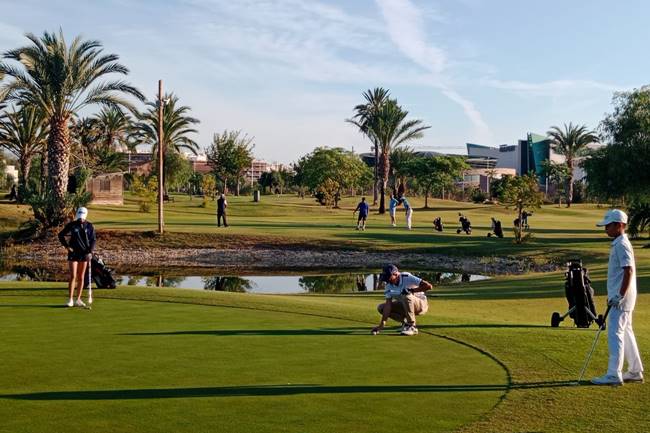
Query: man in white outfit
x=621, y=297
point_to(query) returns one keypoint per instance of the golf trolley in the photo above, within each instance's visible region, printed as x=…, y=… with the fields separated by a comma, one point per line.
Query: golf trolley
x=465, y=225
x=580, y=296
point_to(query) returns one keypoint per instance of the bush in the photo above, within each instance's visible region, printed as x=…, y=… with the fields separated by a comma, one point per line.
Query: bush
x=478, y=196
x=146, y=192
x=639, y=213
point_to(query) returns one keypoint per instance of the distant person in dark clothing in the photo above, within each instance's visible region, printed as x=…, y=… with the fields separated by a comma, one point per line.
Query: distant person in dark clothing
x=12, y=194
x=80, y=246
x=222, y=204
x=437, y=224
x=497, y=230
x=363, y=209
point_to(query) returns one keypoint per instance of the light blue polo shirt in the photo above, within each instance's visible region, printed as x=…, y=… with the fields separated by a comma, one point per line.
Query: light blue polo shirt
x=406, y=281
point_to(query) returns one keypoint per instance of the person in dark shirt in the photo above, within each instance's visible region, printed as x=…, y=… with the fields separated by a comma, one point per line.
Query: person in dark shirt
x=363, y=209
x=78, y=237
x=222, y=204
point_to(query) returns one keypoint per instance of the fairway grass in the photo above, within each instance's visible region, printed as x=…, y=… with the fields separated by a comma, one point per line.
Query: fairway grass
x=148, y=359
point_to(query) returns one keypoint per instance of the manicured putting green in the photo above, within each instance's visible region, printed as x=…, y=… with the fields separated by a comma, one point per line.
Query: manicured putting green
x=139, y=366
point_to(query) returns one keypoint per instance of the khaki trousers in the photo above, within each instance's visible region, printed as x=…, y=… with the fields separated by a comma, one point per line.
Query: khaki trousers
x=405, y=308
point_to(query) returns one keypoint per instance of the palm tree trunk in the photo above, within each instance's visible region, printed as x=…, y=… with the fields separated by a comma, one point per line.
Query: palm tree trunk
x=385, y=169
x=376, y=180
x=23, y=176
x=58, y=158
x=569, y=197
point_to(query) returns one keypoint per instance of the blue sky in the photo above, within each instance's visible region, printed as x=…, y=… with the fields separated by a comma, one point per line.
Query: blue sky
x=288, y=72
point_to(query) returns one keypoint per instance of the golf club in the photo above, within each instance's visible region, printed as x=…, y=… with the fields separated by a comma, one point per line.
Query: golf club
x=593, y=346
x=90, y=285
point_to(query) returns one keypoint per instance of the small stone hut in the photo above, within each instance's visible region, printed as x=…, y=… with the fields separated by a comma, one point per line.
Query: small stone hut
x=107, y=188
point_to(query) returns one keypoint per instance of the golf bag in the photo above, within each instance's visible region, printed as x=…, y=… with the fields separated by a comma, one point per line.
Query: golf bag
x=437, y=224
x=580, y=295
x=524, y=220
x=465, y=226
x=102, y=275
x=498, y=230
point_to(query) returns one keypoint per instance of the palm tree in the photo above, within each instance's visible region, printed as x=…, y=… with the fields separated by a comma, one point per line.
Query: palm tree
x=571, y=142
x=114, y=126
x=363, y=114
x=176, y=127
x=23, y=133
x=60, y=80
x=390, y=128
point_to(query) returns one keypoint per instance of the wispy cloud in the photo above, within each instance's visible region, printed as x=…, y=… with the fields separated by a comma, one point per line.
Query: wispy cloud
x=551, y=88
x=406, y=28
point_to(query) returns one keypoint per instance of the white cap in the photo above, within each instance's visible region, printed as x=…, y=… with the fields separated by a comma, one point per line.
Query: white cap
x=82, y=213
x=613, y=216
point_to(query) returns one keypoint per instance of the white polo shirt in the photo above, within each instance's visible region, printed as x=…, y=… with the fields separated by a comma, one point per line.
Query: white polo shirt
x=621, y=255
x=406, y=281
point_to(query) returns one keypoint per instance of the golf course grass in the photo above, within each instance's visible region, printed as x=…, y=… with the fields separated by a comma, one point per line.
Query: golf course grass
x=149, y=359
x=162, y=359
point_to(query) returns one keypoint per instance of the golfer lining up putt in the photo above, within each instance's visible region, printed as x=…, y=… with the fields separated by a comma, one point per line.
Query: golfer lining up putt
x=621, y=296
x=405, y=299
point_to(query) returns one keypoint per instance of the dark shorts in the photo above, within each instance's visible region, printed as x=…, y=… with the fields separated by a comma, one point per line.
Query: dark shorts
x=362, y=217
x=76, y=257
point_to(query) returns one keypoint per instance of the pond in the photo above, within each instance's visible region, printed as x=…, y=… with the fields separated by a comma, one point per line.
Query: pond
x=347, y=282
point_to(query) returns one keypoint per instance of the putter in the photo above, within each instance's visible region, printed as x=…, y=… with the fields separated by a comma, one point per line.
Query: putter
x=593, y=346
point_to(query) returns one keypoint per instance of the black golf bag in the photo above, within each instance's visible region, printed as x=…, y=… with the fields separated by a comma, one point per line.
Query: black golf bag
x=580, y=295
x=465, y=226
x=102, y=275
x=437, y=224
x=498, y=230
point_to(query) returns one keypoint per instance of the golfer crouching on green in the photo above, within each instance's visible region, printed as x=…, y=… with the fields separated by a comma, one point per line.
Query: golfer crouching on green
x=405, y=299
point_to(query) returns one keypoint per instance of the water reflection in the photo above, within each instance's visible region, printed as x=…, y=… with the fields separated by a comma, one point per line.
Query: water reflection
x=322, y=284
x=227, y=284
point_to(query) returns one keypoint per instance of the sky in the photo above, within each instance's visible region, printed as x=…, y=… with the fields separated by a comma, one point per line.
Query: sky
x=289, y=72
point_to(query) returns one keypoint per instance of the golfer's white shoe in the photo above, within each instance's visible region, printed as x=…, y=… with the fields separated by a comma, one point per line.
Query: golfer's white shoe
x=79, y=303
x=410, y=330
x=70, y=303
x=607, y=380
x=628, y=376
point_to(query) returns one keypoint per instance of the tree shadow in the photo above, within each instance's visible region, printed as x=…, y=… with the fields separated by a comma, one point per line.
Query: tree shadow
x=32, y=306
x=481, y=325
x=261, y=332
x=271, y=391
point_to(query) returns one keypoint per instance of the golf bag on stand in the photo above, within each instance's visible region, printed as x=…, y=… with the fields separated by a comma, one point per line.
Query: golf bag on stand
x=102, y=275
x=580, y=296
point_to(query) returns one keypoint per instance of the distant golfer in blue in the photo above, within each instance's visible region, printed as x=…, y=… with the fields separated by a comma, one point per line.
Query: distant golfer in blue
x=363, y=209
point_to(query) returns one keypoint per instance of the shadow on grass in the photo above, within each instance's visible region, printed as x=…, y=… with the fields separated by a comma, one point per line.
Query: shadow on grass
x=262, y=332
x=270, y=391
x=32, y=306
x=481, y=325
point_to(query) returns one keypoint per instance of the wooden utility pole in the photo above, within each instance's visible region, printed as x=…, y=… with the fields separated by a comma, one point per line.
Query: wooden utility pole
x=161, y=223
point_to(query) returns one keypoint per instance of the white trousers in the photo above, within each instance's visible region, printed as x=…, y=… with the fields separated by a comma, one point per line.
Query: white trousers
x=409, y=214
x=622, y=344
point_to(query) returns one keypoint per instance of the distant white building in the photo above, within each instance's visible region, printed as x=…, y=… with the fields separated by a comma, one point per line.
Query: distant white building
x=12, y=171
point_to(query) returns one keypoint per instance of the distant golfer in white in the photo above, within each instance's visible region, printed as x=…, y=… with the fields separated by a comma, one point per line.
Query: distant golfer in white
x=409, y=212
x=621, y=296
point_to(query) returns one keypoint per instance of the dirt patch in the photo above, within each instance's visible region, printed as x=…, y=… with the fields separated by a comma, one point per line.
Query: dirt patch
x=137, y=251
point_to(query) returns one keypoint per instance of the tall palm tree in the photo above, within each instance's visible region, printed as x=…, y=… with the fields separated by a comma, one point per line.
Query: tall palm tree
x=60, y=80
x=23, y=133
x=572, y=143
x=362, y=118
x=176, y=128
x=390, y=128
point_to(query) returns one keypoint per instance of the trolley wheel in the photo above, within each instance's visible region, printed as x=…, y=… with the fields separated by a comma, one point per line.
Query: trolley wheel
x=555, y=319
x=489, y=235
x=458, y=231
x=601, y=322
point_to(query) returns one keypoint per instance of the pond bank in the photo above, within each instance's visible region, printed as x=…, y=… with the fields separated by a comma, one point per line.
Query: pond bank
x=278, y=259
